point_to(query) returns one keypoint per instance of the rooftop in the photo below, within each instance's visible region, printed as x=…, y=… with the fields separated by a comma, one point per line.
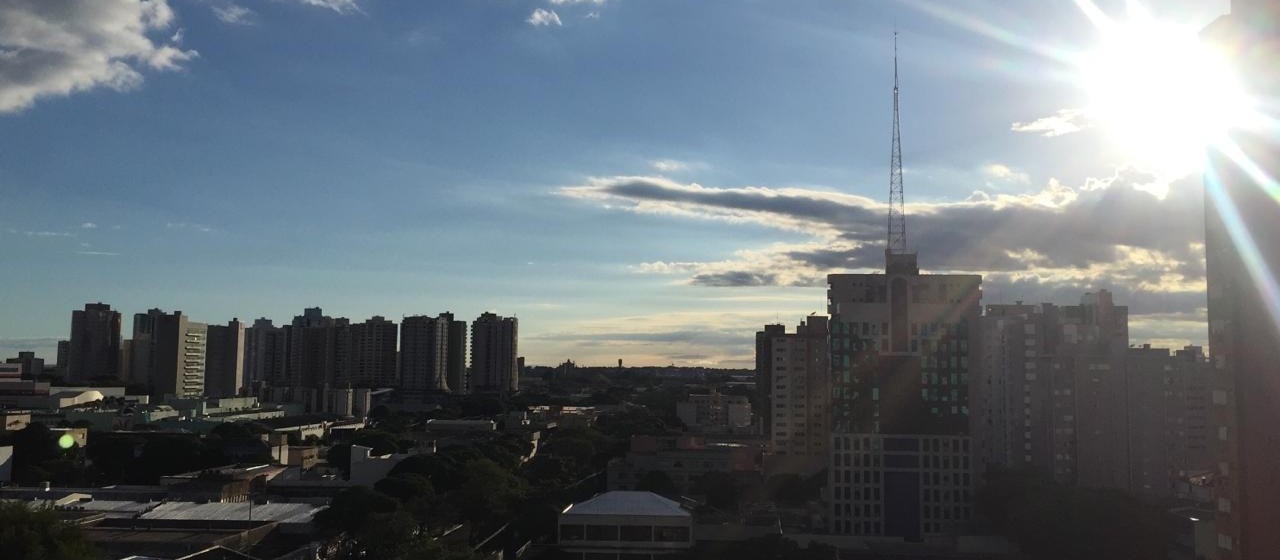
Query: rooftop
x=282, y=512
x=621, y=502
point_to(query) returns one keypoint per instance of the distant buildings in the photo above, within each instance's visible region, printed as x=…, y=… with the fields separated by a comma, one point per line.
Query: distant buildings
x=224, y=360
x=796, y=384
x=1060, y=391
x=178, y=357
x=373, y=347
x=32, y=367
x=493, y=354
x=683, y=459
x=714, y=412
x=424, y=353
x=94, y=348
x=266, y=354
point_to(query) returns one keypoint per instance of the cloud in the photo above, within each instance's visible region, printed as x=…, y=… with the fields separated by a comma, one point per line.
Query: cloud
x=98, y=253
x=187, y=225
x=694, y=337
x=675, y=165
x=1047, y=245
x=1003, y=173
x=234, y=14
x=46, y=234
x=53, y=48
x=570, y=2
x=542, y=17
x=88, y=225
x=1065, y=121
x=11, y=346
x=340, y=6
x=592, y=15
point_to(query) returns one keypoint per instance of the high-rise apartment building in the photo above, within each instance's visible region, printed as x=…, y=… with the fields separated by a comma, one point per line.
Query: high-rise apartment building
x=141, y=357
x=1060, y=392
x=424, y=353
x=764, y=371
x=493, y=354
x=797, y=375
x=319, y=350
x=1167, y=404
x=64, y=357
x=178, y=357
x=266, y=354
x=373, y=349
x=456, y=355
x=1242, y=224
x=901, y=451
x=224, y=360
x=1051, y=391
x=94, y=348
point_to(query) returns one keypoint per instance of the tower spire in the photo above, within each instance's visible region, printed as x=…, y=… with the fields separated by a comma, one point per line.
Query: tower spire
x=897, y=214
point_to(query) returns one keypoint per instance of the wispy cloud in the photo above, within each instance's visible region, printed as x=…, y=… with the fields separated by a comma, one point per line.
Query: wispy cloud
x=52, y=49
x=667, y=165
x=190, y=226
x=340, y=6
x=46, y=234
x=543, y=18
x=570, y=2
x=88, y=225
x=98, y=253
x=1065, y=121
x=234, y=14
x=1003, y=173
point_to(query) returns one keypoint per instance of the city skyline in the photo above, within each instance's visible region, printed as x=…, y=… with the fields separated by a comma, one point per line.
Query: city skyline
x=503, y=153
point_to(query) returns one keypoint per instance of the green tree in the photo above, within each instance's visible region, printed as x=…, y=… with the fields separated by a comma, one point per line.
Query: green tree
x=490, y=492
x=719, y=488
x=352, y=508
x=40, y=534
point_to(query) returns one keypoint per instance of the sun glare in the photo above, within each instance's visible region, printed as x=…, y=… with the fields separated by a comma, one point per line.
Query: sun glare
x=1160, y=94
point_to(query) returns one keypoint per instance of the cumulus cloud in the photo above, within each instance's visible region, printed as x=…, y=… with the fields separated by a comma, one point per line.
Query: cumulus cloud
x=54, y=48
x=1065, y=121
x=543, y=17
x=234, y=14
x=1048, y=245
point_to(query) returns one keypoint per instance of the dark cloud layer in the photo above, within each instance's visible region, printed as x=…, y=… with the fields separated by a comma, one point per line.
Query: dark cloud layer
x=1052, y=245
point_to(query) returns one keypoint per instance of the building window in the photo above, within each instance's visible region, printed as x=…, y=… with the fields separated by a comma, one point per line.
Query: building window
x=1224, y=541
x=632, y=533
x=602, y=532
x=571, y=532
x=671, y=534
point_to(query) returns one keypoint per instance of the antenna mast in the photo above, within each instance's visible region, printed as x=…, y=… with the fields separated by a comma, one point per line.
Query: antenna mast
x=897, y=214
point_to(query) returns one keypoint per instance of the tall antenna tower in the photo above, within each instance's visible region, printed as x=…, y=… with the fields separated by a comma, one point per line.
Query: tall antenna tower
x=897, y=213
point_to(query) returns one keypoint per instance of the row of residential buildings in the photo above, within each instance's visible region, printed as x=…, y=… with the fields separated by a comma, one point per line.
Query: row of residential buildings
x=172, y=355
x=909, y=391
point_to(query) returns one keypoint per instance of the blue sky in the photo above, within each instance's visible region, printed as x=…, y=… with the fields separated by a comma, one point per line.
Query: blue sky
x=631, y=178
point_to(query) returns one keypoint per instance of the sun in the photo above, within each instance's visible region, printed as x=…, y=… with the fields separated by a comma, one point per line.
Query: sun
x=1159, y=93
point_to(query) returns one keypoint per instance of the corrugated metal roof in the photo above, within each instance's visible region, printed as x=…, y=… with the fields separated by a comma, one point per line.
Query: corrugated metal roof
x=622, y=502
x=282, y=512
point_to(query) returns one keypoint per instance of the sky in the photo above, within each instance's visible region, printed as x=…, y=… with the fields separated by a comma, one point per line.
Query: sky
x=646, y=180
